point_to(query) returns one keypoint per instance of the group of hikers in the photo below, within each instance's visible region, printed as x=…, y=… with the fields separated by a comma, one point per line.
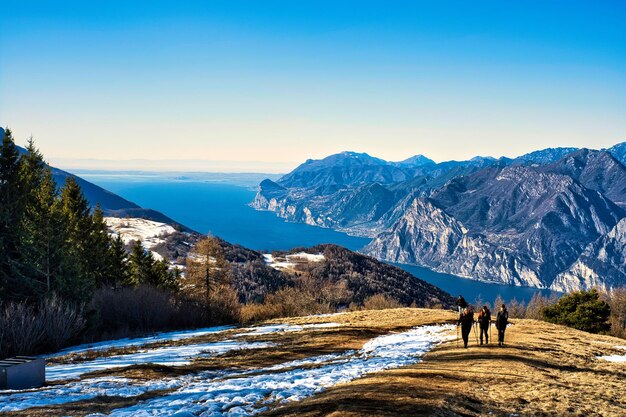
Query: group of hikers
x=483, y=319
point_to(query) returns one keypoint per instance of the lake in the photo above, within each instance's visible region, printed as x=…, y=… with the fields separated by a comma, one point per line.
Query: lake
x=220, y=206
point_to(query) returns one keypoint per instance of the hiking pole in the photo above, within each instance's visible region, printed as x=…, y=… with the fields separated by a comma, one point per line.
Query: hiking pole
x=490, y=337
x=475, y=334
x=457, y=336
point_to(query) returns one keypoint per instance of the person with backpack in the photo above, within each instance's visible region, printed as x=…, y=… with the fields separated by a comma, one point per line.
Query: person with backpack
x=484, y=321
x=502, y=320
x=461, y=303
x=466, y=321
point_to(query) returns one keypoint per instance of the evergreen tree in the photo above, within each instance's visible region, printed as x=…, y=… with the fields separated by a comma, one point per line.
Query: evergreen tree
x=120, y=270
x=42, y=241
x=582, y=310
x=140, y=264
x=80, y=281
x=13, y=282
x=163, y=277
x=98, y=248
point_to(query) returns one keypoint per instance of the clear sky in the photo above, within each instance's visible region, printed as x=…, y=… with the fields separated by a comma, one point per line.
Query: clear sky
x=268, y=84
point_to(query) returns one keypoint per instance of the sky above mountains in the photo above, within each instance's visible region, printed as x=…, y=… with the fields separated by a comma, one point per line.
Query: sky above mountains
x=266, y=85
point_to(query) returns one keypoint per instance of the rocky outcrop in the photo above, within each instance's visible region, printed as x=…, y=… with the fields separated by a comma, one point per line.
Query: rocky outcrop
x=601, y=265
x=511, y=225
x=427, y=235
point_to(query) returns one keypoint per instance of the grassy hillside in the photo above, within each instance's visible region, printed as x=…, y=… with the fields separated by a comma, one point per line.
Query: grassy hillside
x=544, y=370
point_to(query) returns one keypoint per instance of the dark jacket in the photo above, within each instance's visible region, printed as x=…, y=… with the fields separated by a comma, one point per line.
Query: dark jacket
x=502, y=319
x=484, y=317
x=466, y=318
x=461, y=302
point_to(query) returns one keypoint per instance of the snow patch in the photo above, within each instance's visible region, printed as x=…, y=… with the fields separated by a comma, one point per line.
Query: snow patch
x=248, y=394
x=307, y=256
x=140, y=341
x=233, y=392
x=615, y=358
x=277, y=328
x=151, y=233
x=167, y=356
x=291, y=260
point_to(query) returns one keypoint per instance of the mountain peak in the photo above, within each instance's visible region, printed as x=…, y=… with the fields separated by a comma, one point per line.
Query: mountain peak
x=544, y=156
x=416, y=161
x=619, y=152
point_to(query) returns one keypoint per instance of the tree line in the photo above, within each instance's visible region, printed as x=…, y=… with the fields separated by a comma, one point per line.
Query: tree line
x=53, y=243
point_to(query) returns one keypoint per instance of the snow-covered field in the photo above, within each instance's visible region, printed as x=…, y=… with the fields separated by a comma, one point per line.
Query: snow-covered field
x=151, y=233
x=292, y=260
x=230, y=392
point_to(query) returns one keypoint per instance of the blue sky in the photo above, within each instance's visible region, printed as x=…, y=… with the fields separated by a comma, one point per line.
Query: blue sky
x=267, y=84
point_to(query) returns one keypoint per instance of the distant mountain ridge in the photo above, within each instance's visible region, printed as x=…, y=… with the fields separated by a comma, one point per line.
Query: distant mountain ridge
x=524, y=221
x=112, y=204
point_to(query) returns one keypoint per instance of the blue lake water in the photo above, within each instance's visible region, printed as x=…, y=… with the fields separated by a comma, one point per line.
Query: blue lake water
x=222, y=209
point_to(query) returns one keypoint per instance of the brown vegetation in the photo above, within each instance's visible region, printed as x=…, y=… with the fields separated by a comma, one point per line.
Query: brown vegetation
x=543, y=370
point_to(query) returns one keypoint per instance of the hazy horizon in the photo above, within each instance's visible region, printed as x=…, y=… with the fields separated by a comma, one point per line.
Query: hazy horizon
x=267, y=85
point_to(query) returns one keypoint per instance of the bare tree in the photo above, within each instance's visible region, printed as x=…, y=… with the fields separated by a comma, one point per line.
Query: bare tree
x=207, y=267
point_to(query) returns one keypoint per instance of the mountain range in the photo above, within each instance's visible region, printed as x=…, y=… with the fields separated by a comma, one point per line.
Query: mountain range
x=552, y=218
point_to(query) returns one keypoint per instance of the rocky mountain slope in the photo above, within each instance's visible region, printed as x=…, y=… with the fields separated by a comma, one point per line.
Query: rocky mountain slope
x=521, y=221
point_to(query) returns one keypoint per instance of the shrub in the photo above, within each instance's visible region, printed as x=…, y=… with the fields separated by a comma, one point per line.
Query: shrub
x=27, y=329
x=128, y=311
x=380, y=302
x=224, y=305
x=537, y=304
x=62, y=323
x=582, y=310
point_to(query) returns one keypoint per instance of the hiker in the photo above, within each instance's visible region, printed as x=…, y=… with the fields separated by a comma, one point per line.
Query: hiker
x=466, y=320
x=484, y=321
x=502, y=319
x=461, y=303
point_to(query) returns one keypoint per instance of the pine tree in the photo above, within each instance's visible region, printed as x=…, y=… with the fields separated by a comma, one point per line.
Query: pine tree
x=42, y=246
x=140, y=264
x=120, y=270
x=163, y=277
x=80, y=281
x=146, y=270
x=13, y=282
x=98, y=256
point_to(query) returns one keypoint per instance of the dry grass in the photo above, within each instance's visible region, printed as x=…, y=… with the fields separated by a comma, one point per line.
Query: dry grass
x=544, y=370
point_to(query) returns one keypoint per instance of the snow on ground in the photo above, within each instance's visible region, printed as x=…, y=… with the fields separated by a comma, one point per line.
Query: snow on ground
x=309, y=257
x=615, y=358
x=140, y=341
x=80, y=390
x=168, y=356
x=276, y=328
x=246, y=394
x=292, y=260
x=149, y=232
x=230, y=392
